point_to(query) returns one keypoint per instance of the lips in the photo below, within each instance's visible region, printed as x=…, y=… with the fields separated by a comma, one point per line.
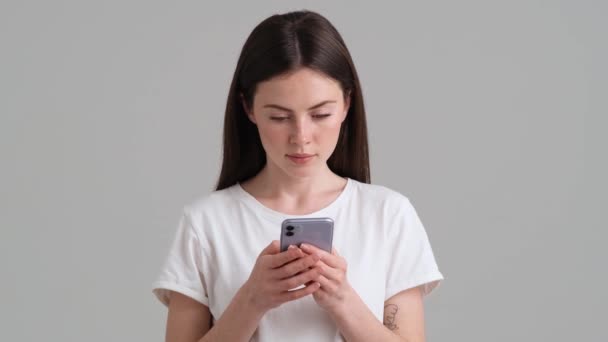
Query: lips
x=300, y=158
x=300, y=155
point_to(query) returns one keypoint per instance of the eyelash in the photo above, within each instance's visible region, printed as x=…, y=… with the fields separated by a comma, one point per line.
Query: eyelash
x=283, y=118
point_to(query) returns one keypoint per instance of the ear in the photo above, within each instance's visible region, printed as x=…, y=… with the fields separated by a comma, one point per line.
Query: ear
x=346, y=104
x=246, y=108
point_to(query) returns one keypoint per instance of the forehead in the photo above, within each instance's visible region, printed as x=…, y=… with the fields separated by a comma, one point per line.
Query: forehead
x=299, y=89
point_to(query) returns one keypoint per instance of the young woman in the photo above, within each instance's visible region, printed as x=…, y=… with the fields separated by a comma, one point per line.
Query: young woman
x=295, y=145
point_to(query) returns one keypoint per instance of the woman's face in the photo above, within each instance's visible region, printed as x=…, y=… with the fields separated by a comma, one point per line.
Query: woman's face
x=298, y=116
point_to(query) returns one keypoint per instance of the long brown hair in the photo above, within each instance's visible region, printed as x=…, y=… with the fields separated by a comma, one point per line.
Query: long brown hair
x=280, y=44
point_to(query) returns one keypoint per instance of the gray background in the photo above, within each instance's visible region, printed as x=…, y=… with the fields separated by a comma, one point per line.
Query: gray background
x=488, y=115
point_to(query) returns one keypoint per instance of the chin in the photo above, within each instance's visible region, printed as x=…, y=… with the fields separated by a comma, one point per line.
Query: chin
x=301, y=171
x=293, y=170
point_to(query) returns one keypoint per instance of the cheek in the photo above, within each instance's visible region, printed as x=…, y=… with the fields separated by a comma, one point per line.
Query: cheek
x=330, y=131
x=270, y=136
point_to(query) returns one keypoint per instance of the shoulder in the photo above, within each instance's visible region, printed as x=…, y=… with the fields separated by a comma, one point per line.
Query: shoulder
x=379, y=194
x=215, y=202
x=385, y=205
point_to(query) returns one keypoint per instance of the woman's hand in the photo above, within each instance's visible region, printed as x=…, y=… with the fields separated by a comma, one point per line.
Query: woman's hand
x=335, y=290
x=275, y=273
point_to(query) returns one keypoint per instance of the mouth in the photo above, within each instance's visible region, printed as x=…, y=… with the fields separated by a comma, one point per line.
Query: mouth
x=300, y=155
x=300, y=158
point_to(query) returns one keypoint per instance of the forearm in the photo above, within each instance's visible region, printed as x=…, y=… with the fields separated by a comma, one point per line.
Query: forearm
x=238, y=322
x=358, y=323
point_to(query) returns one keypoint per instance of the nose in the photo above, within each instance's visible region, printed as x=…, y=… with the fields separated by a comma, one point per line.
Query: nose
x=301, y=132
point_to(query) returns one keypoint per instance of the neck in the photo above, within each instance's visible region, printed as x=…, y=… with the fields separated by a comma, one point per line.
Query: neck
x=271, y=182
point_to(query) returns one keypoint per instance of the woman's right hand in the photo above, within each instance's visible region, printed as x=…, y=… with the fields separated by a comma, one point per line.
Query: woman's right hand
x=276, y=272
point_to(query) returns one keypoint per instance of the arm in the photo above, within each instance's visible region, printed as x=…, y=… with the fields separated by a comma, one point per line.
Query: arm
x=189, y=320
x=238, y=322
x=267, y=287
x=403, y=313
x=403, y=319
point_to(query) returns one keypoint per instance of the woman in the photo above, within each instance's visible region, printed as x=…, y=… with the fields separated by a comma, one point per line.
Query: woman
x=295, y=145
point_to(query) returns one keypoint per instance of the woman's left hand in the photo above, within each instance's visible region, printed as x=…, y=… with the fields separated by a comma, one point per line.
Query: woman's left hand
x=335, y=291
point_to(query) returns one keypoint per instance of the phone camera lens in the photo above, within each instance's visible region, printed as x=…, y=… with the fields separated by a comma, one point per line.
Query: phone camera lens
x=289, y=228
x=289, y=233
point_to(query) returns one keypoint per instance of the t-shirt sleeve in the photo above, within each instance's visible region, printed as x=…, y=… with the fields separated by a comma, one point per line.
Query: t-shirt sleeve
x=181, y=271
x=411, y=260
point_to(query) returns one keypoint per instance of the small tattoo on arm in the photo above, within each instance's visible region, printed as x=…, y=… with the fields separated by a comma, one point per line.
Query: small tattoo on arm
x=390, y=312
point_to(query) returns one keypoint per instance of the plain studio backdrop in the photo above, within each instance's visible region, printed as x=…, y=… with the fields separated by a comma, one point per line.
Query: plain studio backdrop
x=489, y=115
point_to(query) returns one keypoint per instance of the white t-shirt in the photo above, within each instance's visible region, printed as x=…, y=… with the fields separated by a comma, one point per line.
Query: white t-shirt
x=220, y=235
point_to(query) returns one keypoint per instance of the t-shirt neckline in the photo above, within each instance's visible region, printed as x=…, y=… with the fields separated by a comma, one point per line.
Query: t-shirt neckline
x=278, y=216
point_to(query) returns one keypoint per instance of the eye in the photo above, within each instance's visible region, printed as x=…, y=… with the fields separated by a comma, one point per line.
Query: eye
x=321, y=116
x=279, y=118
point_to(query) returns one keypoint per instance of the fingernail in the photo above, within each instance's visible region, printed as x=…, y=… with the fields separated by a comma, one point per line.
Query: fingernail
x=291, y=247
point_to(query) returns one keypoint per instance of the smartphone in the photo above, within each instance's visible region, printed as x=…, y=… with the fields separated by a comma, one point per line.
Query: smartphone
x=318, y=232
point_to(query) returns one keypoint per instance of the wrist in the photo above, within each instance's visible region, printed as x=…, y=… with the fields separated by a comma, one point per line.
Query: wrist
x=355, y=320
x=246, y=298
x=350, y=301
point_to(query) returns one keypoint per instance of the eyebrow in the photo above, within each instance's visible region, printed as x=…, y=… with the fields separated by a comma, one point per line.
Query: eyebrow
x=289, y=110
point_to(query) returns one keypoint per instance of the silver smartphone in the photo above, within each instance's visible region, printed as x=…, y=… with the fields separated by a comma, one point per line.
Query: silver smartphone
x=318, y=232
